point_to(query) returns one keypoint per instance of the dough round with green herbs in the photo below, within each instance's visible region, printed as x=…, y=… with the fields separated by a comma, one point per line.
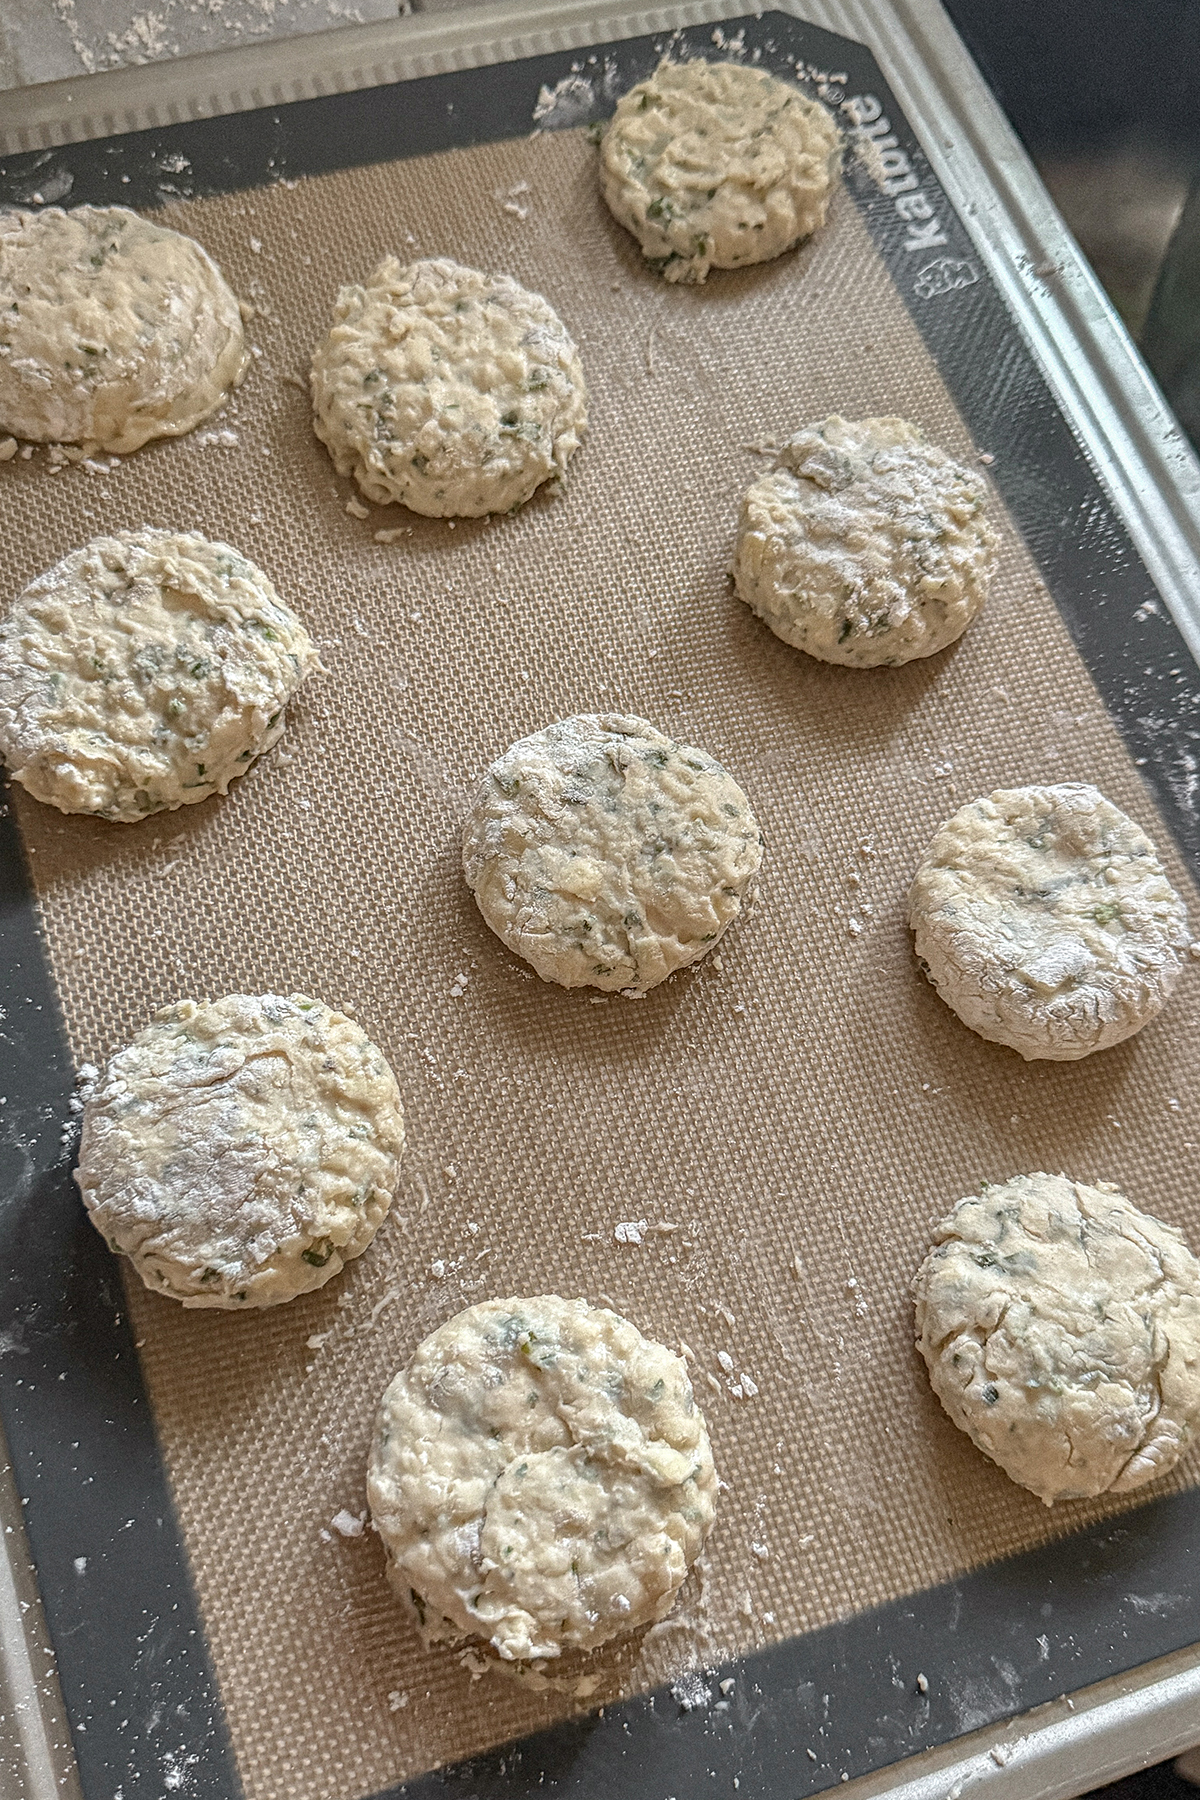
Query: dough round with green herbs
x=607, y=855
x=1044, y=918
x=713, y=165
x=454, y=392
x=112, y=330
x=866, y=544
x=541, y=1477
x=144, y=672
x=1061, y=1327
x=240, y=1151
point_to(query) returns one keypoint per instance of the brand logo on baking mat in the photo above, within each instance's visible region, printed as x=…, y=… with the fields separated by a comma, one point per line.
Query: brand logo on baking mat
x=943, y=275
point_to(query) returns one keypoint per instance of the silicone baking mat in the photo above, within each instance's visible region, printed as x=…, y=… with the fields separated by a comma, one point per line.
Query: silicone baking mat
x=780, y=1126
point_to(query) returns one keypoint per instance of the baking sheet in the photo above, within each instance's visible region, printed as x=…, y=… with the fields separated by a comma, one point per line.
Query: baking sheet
x=801, y=1116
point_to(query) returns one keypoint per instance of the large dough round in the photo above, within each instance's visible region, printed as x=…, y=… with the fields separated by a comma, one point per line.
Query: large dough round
x=1061, y=1327
x=541, y=1477
x=1043, y=916
x=454, y=392
x=112, y=330
x=607, y=855
x=144, y=672
x=716, y=165
x=866, y=544
x=240, y=1151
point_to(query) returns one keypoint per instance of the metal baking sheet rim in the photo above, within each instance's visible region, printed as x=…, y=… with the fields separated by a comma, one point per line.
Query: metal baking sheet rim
x=1054, y=1752
x=1136, y=448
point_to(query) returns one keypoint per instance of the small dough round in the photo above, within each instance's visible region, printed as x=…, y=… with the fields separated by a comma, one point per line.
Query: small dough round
x=1043, y=916
x=112, y=330
x=144, y=672
x=713, y=165
x=240, y=1151
x=541, y=1477
x=607, y=855
x=866, y=544
x=1061, y=1327
x=454, y=392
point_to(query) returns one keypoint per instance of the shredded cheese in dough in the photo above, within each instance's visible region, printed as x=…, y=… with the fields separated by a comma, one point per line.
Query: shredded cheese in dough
x=1043, y=916
x=541, y=1477
x=716, y=165
x=145, y=672
x=454, y=392
x=607, y=855
x=1061, y=1327
x=241, y=1151
x=112, y=330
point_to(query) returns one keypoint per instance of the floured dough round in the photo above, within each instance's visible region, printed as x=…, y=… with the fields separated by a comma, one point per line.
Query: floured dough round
x=112, y=330
x=144, y=672
x=541, y=1477
x=865, y=544
x=454, y=392
x=1061, y=1327
x=715, y=165
x=241, y=1150
x=1044, y=918
x=606, y=854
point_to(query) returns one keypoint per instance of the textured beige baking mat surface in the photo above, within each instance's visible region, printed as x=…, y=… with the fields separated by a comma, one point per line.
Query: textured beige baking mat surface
x=800, y=1111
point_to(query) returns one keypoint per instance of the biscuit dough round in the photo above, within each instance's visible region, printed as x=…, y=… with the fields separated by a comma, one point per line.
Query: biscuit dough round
x=112, y=330
x=1043, y=916
x=240, y=1151
x=1061, y=1327
x=456, y=393
x=713, y=165
x=866, y=544
x=541, y=1477
x=607, y=855
x=144, y=672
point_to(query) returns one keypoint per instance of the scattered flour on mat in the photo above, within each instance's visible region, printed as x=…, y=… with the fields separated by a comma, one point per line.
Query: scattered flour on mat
x=570, y=101
x=348, y=1524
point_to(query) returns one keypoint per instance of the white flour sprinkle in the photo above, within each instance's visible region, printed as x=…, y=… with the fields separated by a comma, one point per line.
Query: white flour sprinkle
x=568, y=102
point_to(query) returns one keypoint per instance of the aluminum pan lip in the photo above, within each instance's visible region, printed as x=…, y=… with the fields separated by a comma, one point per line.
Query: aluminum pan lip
x=36, y=1761
x=1098, y=1735
x=1142, y=459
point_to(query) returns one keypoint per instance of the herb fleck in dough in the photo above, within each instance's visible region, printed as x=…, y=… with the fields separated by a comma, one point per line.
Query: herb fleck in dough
x=1061, y=1327
x=241, y=1150
x=1044, y=918
x=112, y=330
x=454, y=392
x=715, y=165
x=865, y=544
x=607, y=855
x=541, y=1477
x=145, y=672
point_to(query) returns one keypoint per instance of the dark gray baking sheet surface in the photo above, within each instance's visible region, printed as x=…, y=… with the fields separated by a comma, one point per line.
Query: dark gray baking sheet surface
x=132, y=1662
